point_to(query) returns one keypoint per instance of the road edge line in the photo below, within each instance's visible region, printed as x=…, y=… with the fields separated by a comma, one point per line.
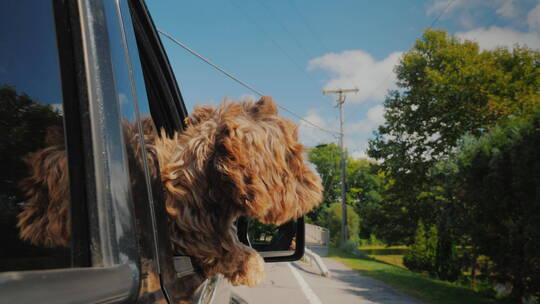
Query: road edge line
x=310, y=294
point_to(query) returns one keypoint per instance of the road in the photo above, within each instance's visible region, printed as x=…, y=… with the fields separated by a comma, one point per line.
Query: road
x=299, y=282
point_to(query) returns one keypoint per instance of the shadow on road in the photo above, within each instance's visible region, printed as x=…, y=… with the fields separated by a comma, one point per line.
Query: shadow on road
x=360, y=289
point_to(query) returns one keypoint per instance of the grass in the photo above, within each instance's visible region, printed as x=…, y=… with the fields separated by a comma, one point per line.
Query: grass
x=417, y=285
x=391, y=255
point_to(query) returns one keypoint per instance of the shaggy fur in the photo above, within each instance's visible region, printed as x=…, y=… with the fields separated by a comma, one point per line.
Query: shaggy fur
x=46, y=218
x=237, y=159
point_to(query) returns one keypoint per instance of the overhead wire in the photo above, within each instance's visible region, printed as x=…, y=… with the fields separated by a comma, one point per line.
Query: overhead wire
x=242, y=83
x=308, y=26
x=285, y=29
x=275, y=43
x=441, y=14
x=291, y=35
x=430, y=27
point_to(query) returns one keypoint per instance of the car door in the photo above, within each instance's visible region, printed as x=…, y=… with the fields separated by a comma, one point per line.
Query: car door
x=66, y=201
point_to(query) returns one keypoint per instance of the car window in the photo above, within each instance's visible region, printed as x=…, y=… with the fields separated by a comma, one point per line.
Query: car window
x=35, y=219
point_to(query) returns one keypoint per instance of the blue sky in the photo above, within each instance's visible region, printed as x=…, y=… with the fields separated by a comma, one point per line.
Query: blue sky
x=294, y=49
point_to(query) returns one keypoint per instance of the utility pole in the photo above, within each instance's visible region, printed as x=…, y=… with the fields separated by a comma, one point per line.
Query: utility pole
x=340, y=101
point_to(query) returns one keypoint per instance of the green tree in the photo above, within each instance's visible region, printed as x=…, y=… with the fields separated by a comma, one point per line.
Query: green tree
x=326, y=158
x=363, y=185
x=497, y=180
x=24, y=124
x=447, y=88
x=333, y=222
x=421, y=255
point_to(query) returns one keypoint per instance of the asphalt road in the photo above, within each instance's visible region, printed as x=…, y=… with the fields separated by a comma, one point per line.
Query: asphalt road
x=300, y=282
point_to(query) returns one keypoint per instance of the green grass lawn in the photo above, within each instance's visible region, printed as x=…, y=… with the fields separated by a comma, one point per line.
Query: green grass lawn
x=391, y=255
x=414, y=284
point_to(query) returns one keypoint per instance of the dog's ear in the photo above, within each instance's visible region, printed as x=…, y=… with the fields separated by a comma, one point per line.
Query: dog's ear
x=236, y=177
x=264, y=107
x=259, y=165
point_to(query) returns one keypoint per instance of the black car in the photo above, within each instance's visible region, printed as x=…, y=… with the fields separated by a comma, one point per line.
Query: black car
x=90, y=67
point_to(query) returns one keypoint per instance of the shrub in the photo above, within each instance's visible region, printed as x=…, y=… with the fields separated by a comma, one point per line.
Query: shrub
x=421, y=255
x=499, y=185
x=333, y=223
x=350, y=247
x=372, y=241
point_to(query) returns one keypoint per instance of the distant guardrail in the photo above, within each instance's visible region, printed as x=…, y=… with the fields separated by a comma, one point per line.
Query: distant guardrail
x=317, y=235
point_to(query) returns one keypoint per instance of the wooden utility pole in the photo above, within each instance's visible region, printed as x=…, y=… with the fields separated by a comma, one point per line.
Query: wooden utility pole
x=340, y=101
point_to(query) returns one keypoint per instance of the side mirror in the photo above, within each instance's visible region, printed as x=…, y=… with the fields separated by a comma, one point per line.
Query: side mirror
x=283, y=243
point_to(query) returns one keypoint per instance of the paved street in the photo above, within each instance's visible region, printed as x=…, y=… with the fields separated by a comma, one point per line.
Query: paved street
x=299, y=282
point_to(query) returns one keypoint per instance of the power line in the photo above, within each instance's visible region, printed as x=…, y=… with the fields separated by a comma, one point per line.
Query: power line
x=441, y=14
x=187, y=48
x=285, y=29
x=304, y=20
x=276, y=44
x=430, y=27
x=236, y=79
x=293, y=37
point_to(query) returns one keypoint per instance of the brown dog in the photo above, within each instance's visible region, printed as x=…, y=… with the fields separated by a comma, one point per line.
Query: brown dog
x=237, y=159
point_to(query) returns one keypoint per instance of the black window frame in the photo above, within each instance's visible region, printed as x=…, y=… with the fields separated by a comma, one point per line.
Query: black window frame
x=168, y=112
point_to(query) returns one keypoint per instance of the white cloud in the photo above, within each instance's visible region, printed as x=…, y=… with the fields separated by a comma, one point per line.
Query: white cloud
x=248, y=97
x=503, y=6
x=490, y=38
x=474, y=13
x=374, y=117
x=376, y=114
x=507, y=10
x=357, y=133
x=356, y=68
x=440, y=5
x=311, y=136
x=58, y=107
x=468, y=10
x=533, y=19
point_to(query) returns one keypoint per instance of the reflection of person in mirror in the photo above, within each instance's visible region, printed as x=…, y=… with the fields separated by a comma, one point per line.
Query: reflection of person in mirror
x=284, y=239
x=236, y=159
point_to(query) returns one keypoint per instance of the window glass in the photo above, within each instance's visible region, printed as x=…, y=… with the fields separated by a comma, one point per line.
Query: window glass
x=35, y=220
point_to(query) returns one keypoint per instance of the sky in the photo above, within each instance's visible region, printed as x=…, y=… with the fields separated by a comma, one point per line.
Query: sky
x=294, y=49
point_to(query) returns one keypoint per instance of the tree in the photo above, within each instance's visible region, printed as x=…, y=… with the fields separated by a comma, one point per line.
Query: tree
x=333, y=222
x=326, y=158
x=447, y=88
x=421, y=255
x=497, y=181
x=24, y=127
x=363, y=185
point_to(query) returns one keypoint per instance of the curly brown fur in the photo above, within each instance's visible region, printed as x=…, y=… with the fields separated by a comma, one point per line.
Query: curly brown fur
x=45, y=219
x=237, y=159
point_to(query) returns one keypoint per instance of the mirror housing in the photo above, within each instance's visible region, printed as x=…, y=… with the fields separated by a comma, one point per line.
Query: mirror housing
x=286, y=244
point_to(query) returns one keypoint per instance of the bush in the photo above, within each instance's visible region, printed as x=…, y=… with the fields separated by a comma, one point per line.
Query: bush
x=350, y=247
x=498, y=183
x=333, y=223
x=372, y=241
x=421, y=255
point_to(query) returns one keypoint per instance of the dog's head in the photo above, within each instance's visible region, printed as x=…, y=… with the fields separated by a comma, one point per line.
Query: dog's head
x=257, y=162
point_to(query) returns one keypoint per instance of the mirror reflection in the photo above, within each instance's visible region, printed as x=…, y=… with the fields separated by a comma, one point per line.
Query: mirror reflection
x=265, y=237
